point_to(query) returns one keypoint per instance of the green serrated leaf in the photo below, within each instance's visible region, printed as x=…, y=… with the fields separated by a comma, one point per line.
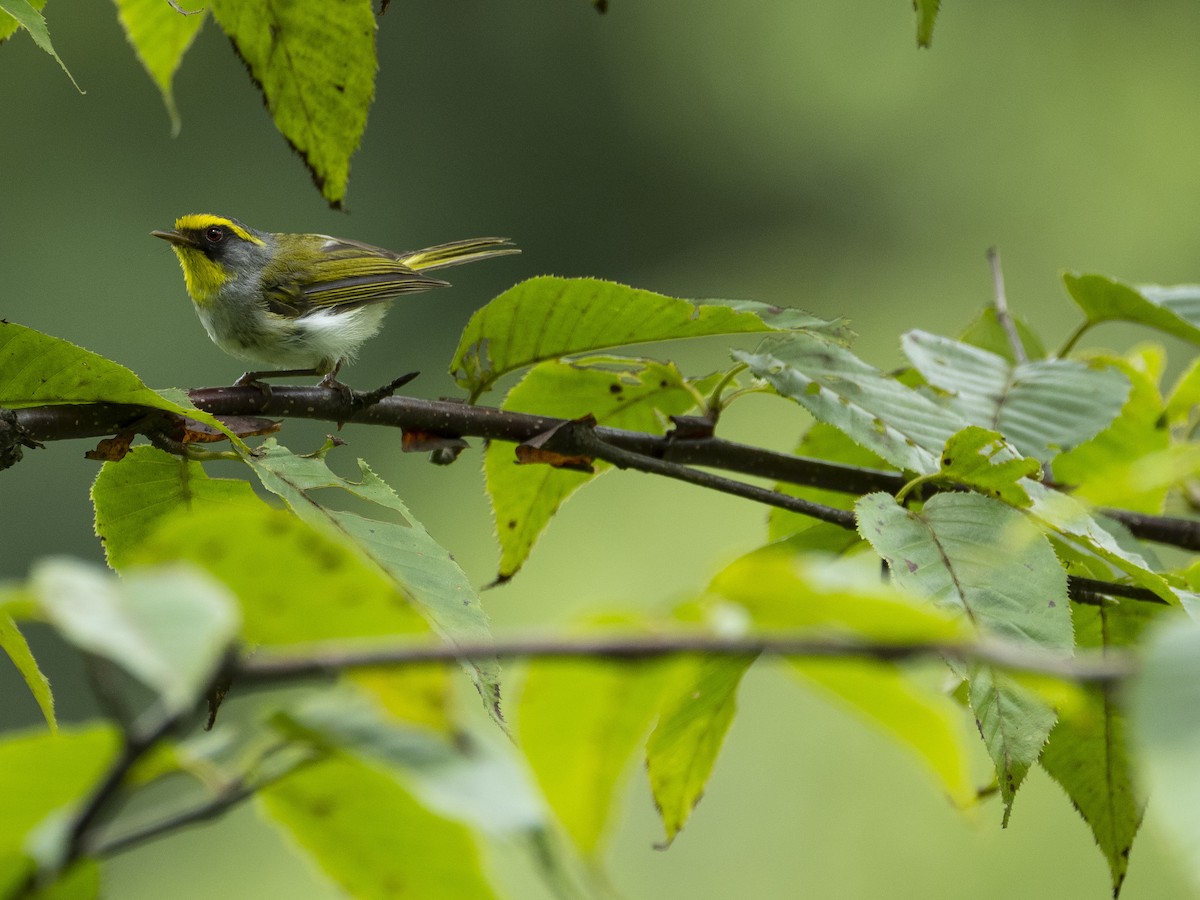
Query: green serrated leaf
x=1014, y=723
x=421, y=567
x=781, y=593
x=13, y=643
x=371, y=836
x=1067, y=518
x=953, y=551
x=1175, y=310
x=547, y=318
x=1041, y=407
x=974, y=554
x=620, y=393
x=579, y=724
x=160, y=36
x=899, y=424
x=1088, y=752
x=683, y=748
x=9, y=25
x=170, y=627
x=822, y=441
x=1164, y=710
x=28, y=16
x=132, y=497
x=39, y=370
x=315, y=65
x=980, y=459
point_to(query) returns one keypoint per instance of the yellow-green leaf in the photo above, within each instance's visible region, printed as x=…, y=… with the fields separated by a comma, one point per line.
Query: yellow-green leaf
x=41, y=772
x=314, y=61
x=160, y=36
x=683, y=747
x=781, y=593
x=133, y=496
x=13, y=643
x=620, y=393
x=981, y=459
x=372, y=837
x=579, y=723
x=1111, y=468
x=9, y=25
x=28, y=16
x=546, y=318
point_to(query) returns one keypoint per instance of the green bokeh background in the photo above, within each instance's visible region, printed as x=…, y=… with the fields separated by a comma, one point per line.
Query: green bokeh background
x=799, y=153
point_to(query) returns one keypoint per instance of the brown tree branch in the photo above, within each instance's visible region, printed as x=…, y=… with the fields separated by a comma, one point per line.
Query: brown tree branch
x=456, y=419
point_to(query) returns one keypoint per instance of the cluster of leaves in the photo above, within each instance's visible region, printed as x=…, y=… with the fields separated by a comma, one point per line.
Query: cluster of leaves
x=313, y=60
x=381, y=778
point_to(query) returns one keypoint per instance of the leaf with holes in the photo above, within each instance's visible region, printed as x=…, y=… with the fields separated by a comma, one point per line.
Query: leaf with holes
x=980, y=459
x=901, y=425
x=973, y=554
x=1041, y=408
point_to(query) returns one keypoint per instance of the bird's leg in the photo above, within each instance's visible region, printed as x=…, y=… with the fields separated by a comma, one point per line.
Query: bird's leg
x=254, y=379
x=330, y=381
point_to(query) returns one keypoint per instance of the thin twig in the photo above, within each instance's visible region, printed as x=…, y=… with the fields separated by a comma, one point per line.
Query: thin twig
x=275, y=666
x=1000, y=304
x=234, y=793
x=624, y=459
x=138, y=741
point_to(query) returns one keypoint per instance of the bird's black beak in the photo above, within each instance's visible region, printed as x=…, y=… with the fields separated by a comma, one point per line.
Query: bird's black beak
x=178, y=238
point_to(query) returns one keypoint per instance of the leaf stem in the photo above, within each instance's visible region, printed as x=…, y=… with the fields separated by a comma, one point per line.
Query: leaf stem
x=1072, y=339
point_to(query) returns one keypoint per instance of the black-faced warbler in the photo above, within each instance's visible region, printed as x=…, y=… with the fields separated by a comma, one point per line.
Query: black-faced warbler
x=302, y=303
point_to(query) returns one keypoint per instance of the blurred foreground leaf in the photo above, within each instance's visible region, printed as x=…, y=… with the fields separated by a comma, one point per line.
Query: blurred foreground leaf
x=423, y=569
x=371, y=836
x=169, y=627
x=1165, y=715
x=781, y=593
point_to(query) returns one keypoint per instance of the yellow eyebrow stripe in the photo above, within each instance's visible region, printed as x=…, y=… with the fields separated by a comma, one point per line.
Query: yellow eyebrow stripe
x=200, y=221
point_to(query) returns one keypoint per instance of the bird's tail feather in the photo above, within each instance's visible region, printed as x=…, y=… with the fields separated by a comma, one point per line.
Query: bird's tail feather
x=456, y=253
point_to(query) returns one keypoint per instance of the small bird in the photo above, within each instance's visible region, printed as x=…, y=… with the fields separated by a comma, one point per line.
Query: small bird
x=301, y=302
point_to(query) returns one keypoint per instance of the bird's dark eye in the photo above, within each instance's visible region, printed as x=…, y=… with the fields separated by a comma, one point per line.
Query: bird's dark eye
x=215, y=234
